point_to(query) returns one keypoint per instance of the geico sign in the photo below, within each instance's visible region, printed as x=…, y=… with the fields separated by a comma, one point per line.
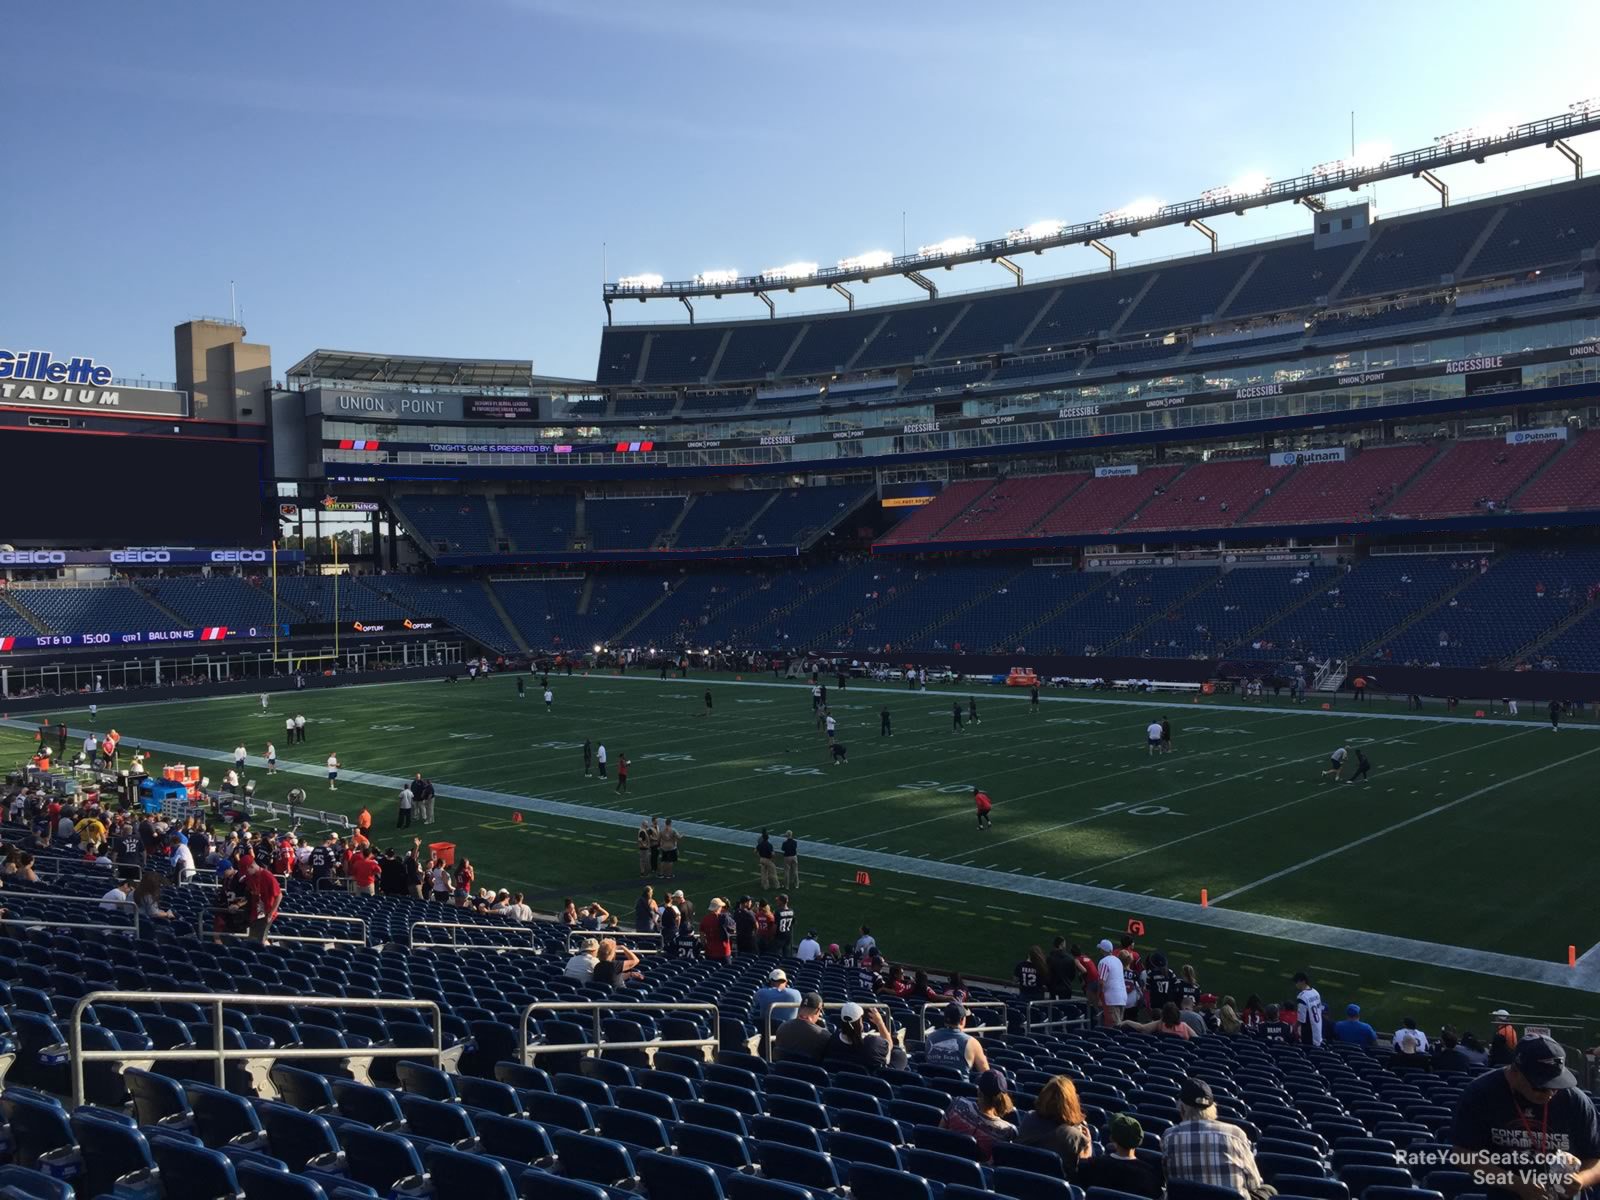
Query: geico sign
x=32, y=557
x=240, y=556
x=141, y=556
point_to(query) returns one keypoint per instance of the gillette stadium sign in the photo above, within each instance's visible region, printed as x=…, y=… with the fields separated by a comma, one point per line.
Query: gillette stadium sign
x=38, y=379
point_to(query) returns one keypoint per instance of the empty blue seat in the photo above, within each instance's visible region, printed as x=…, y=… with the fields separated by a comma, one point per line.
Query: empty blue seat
x=40, y=1132
x=808, y=1168
x=561, y=1112
x=594, y=1092
x=1184, y=1189
x=221, y=1118
x=1033, y=1159
x=507, y=1137
x=524, y=1079
x=436, y=1119
x=718, y=1147
x=379, y=1160
x=867, y=1125
x=190, y=1172
x=111, y=1150
x=1030, y=1185
x=541, y=1185
x=713, y=1116
x=157, y=1099
x=788, y=1133
x=459, y=1176
x=369, y=1105
x=305, y=1090
x=489, y=1095
x=679, y=1178
x=868, y=1182
x=754, y=1187
x=1312, y=1187
x=22, y=1183
x=1358, y=1177
x=419, y=1079
x=667, y=1083
x=853, y=1148
x=944, y=1168
x=300, y=1139
x=261, y=1182
x=595, y=1159
x=635, y=1129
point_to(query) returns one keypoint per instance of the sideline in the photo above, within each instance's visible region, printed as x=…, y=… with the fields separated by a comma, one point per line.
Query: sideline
x=1584, y=977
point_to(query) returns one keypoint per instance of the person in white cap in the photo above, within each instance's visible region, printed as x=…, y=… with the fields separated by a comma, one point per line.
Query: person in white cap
x=777, y=992
x=1113, y=984
x=854, y=1042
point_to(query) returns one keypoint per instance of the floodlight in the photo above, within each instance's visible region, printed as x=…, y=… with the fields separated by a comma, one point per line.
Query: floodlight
x=640, y=282
x=1369, y=155
x=1584, y=107
x=1494, y=127
x=870, y=261
x=1250, y=184
x=1035, y=231
x=950, y=245
x=794, y=270
x=713, y=278
x=1137, y=211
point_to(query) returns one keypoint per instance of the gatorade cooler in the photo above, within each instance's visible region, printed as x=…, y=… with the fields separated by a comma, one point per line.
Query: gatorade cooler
x=445, y=851
x=192, y=776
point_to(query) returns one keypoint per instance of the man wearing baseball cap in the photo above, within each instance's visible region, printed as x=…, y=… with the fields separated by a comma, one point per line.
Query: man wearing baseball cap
x=1202, y=1149
x=1353, y=1030
x=802, y=1038
x=1503, y=1046
x=1527, y=1131
x=777, y=992
x=952, y=1046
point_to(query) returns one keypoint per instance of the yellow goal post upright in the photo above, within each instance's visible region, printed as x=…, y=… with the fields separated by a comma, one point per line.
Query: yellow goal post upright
x=289, y=656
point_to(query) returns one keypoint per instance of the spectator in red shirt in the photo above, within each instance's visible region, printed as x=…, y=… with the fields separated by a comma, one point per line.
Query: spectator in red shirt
x=363, y=871
x=717, y=928
x=265, y=895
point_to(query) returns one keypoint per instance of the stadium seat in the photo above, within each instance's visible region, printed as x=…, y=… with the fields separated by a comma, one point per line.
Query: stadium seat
x=853, y=1148
x=718, y=1147
x=190, y=1172
x=679, y=1177
x=945, y=1168
x=868, y=1182
x=1022, y=1184
x=262, y=1182
x=755, y=1187
x=808, y=1168
x=113, y=1153
x=459, y=1176
x=595, y=1159
x=379, y=1160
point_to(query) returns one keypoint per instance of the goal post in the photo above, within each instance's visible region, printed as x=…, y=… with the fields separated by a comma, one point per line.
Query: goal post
x=288, y=656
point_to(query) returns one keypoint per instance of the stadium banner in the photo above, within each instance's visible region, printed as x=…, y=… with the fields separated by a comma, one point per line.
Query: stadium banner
x=400, y=625
x=38, y=379
x=137, y=637
x=388, y=406
x=1522, y=437
x=1301, y=458
x=146, y=556
x=1113, y=472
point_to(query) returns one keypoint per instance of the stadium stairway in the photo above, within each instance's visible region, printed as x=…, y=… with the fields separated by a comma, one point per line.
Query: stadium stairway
x=1021, y=634
x=497, y=527
x=742, y=534
x=505, y=617
x=1549, y=636
x=1133, y=635
x=1422, y=614
x=1541, y=470
x=178, y=621
x=642, y=616
x=1257, y=630
x=668, y=537
x=977, y=598
x=34, y=622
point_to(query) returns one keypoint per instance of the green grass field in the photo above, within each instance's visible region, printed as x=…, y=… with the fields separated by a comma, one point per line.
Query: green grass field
x=1465, y=847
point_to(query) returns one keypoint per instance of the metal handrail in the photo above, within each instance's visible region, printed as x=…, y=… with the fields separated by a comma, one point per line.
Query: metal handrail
x=766, y=1032
x=600, y=1007
x=219, y=1053
x=616, y=935
x=969, y=1005
x=1029, y=1024
x=455, y=944
x=53, y=898
x=210, y=913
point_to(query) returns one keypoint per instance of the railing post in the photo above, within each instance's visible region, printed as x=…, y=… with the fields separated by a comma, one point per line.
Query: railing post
x=75, y=1045
x=438, y=1034
x=597, y=1053
x=216, y=1033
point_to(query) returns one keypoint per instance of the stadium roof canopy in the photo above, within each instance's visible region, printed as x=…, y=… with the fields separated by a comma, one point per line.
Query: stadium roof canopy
x=407, y=369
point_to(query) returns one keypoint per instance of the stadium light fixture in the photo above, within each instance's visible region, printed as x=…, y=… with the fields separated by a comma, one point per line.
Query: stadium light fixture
x=713, y=278
x=1496, y=127
x=950, y=245
x=1035, y=231
x=1250, y=184
x=1583, y=108
x=794, y=270
x=1136, y=211
x=640, y=283
x=872, y=260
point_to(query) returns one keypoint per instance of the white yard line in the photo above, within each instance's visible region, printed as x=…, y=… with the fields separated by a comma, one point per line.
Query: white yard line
x=1398, y=825
x=1302, y=933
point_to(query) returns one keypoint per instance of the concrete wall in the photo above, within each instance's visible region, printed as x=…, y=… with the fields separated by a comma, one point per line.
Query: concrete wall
x=227, y=377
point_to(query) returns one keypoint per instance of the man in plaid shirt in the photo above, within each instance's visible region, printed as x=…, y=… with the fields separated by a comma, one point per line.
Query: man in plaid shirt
x=1202, y=1149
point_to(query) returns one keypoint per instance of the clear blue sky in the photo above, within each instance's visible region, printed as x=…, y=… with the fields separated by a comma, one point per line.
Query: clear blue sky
x=438, y=178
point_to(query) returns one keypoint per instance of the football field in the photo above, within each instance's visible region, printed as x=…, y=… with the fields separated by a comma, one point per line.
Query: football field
x=1449, y=883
